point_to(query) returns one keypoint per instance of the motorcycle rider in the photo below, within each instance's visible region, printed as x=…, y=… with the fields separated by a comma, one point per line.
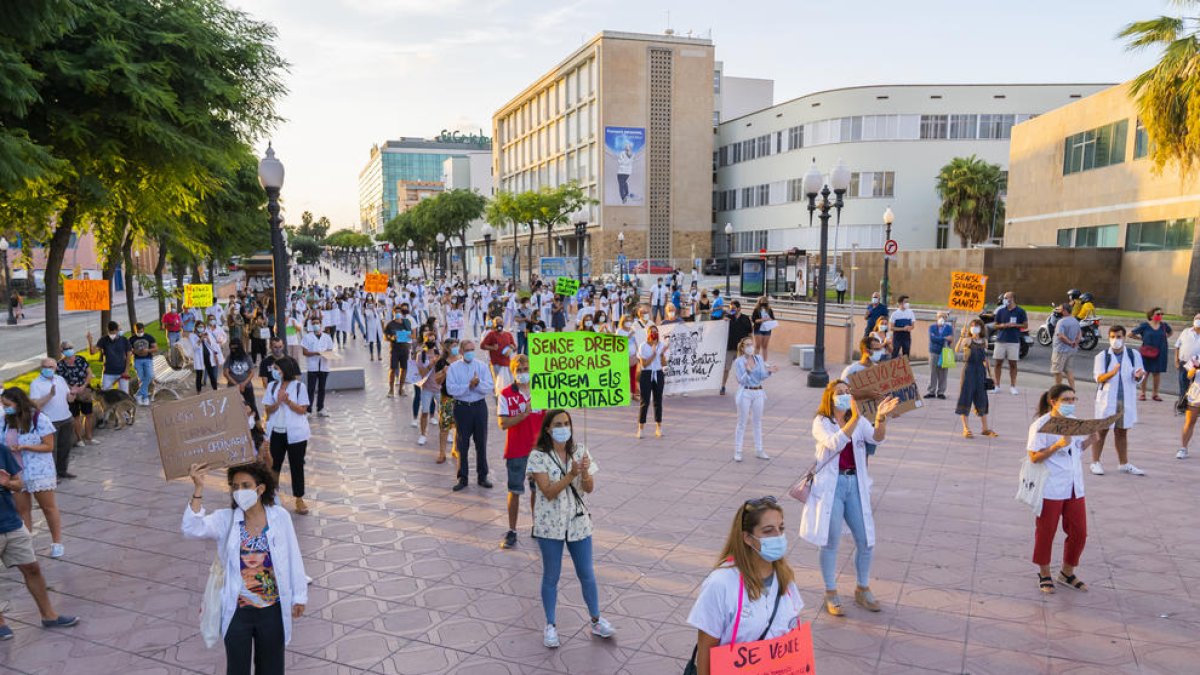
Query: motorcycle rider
x=1084, y=309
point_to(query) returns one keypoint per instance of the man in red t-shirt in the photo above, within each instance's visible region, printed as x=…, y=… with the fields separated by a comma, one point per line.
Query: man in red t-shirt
x=500, y=346
x=522, y=426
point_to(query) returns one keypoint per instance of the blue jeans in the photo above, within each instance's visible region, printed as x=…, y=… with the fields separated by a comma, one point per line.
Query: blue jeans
x=581, y=556
x=848, y=507
x=356, y=321
x=145, y=372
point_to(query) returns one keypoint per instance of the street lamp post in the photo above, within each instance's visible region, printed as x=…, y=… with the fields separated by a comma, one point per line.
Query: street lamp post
x=580, y=233
x=487, y=244
x=12, y=317
x=408, y=261
x=441, y=264
x=728, y=256
x=888, y=217
x=814, y=184
x=621, y=254
x=270, y=177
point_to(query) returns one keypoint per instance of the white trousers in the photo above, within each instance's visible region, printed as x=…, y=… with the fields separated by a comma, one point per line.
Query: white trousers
x=750, y=407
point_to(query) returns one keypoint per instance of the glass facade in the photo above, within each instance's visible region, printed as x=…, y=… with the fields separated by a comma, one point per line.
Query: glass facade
x=1095, y=148
x=1160, y=235
x=377, y=191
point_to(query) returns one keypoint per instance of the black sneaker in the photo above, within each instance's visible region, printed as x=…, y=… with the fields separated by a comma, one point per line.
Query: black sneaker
x=485, y=483
x=510, y=540
x=929, y=395
x=459, y=485
x=722, y=391
x=942, y=396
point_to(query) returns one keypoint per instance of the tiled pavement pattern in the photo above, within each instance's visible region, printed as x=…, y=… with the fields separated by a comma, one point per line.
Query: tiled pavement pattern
x=408, y=576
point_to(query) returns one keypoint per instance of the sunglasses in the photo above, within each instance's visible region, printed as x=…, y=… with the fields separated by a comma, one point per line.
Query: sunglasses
x=761, y=502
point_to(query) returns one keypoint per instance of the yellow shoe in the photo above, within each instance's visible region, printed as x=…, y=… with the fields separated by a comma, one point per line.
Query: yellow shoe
x=658, y=431
x=639, y=432
x=863, y=597
x=833, y=604
x=301, y=507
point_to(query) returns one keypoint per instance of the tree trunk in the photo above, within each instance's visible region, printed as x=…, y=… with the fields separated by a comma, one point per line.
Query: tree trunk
x=159, y=266
x=196, y=277
x=212, y=275
x=462, y=236
x=54, y=262
x=130, y=300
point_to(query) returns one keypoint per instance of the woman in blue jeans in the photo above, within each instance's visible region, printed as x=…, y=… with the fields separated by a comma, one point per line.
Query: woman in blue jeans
x=841, y=489
x=563, y=472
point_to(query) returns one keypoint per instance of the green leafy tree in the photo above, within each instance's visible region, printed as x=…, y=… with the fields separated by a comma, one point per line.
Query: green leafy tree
x=307, y=249
x=971, y=189
x=513, y=211
x=402, y=229
x=556, y=206
x=450, y=214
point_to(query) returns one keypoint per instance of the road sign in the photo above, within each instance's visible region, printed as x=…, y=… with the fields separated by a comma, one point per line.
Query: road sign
x=891, y=247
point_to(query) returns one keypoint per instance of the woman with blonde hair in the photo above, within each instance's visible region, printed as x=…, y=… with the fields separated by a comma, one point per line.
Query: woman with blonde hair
x=752, y=594
x=751, y=370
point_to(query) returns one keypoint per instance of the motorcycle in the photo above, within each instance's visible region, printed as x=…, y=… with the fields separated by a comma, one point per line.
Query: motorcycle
x=1089, y=329
x=1045, y=332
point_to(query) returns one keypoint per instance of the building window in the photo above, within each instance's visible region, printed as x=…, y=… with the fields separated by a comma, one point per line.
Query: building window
x=764, y=194
x=1066, y=237
x=872, y=184
x=796, y=137
x=1141, y=141
x=764, y=146
x=716, y=118
x=943, y=235
x=716, y=81
x=795, y=187
x=933, y=126
x=1095, y=148
x=963, y=126
x=996, y=126
x=1160, y=235
x=1100, y=236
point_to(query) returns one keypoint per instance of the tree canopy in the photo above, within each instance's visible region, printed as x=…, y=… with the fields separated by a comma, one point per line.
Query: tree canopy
x=970, y=189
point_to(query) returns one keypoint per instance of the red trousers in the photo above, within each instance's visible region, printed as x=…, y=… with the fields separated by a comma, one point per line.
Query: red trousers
x=1074, y=523
x=633, y=375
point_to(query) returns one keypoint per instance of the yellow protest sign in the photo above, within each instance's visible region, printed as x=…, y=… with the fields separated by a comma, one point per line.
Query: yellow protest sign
x=85, y=294
x=376, y=282
x=197, y=295
x=968, y=291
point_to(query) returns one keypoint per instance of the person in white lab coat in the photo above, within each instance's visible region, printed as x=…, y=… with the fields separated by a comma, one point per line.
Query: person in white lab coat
x=841, y=489
x=1117, y=370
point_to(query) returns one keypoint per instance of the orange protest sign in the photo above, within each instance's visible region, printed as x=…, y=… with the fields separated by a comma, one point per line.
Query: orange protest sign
x=790, y=654
x=85, y=294
x=376, y=282
x=967, y=291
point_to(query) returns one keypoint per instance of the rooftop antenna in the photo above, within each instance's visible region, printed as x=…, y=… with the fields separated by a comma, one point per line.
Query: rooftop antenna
x=669, y=30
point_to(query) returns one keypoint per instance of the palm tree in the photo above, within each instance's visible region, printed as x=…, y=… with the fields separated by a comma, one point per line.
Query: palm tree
x=970, y=190
x=1164, y=94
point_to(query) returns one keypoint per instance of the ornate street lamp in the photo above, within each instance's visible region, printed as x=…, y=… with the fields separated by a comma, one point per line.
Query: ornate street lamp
x=814, y=184
x=12, y=318
x=580, y=233
x=487, y=244
x=621, y=253
x=441, y=264
x=270, y=177
x=888, y=217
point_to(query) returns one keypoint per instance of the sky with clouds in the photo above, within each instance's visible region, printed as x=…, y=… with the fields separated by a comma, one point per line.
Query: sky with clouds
x=364, y=71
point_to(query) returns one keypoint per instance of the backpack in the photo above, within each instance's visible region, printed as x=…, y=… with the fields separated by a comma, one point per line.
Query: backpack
x=1108, y=360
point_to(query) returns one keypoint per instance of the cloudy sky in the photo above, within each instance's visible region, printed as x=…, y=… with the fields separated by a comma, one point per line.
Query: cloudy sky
x=364, y=71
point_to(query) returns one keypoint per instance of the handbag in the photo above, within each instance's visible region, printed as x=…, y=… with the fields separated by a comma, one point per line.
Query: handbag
x=210, y=602
x=801, y=489
x=690, y=668
x=947, y=358
x=989, y=384
x=1031, y=484
x=1148, y=351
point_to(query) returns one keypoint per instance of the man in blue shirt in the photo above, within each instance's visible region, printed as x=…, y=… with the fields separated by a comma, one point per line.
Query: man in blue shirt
x=16, y=548
x=875, y=311
x=470, y=382
x=1010, y=321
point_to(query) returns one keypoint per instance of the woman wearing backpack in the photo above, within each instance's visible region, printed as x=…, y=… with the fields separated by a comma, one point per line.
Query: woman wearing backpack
x=286, y=404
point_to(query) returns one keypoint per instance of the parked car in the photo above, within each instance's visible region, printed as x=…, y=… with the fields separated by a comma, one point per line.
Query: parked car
x=650, y=267
x=716, y=266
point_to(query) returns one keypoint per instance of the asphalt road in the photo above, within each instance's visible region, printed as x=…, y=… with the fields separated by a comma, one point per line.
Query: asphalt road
x=1038, y=361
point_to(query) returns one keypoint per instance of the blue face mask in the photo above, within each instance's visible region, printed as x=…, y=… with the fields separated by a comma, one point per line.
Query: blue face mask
x=1067, y=409
x=842, y=401
x=454, y=350
x=276, y=375
x=772, y=548
x=9, y=410
x=47, y=373
x=68, y=353
x=469, y=357
x=560, y=434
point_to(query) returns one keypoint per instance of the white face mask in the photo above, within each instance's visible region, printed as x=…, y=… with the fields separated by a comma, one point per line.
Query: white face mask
x=941, y=321
x=245, y=499
x=1196, y=323
x=749, y=350
x=974, y=330
x=878, y=354
x=904, y=305
x=1117, y=343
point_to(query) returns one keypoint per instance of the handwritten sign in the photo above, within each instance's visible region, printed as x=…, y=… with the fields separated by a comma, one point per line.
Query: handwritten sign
x=566, y=286
x=206, y=428
x=1070, y=426
x=376, y=282
x=790, y=654
x=85, y=294
x=695, y=355
x=968, y=291
x=886, y=378
x=197, y=295
x=578, y=370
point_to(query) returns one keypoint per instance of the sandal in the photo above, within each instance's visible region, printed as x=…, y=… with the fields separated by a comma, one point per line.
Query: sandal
x=990, y=434
x=1156, y=397
x=1141, y=397
x=967, y=433
x=1045, y=584
x=441, y=459
x=1070, y=580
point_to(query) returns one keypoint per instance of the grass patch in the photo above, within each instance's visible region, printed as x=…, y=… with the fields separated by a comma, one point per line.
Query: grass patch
x=155, y=328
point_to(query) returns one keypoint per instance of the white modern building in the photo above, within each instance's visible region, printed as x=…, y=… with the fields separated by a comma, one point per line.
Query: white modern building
x=893, y=138
x=737, y=96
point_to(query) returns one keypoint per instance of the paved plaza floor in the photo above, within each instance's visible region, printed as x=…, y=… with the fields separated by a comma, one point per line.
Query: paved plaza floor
x=408, y=576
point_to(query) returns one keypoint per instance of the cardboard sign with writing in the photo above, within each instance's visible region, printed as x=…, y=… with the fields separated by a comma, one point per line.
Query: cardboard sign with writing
x=968, y=291
x=886, y=378
x=208, y=428
x=578, y=370
x=85, y=294
x=566, y=286
x=790, y=654
x=197, y=295
x=1070, y=426
x=376, y=282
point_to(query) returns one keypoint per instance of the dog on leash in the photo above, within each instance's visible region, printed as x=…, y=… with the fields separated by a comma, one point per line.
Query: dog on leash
x=114, y=407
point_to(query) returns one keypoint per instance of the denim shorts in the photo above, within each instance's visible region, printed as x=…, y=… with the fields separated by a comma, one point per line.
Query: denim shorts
x=516, y=474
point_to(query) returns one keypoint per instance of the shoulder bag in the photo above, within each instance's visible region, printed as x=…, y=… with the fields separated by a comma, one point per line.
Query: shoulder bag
x=210, y=603
x=801, y=489
x=690, y=668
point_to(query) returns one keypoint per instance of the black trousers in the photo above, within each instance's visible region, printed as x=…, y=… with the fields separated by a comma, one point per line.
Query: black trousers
x=64, y=440
x=650, y=384
x=316, y=389
x=258, y=348
x=248, y=396
x=471, y=422
x=841, y=297
x=211, y=372
x=901, y=344
x=294, y=452
x=255, y=633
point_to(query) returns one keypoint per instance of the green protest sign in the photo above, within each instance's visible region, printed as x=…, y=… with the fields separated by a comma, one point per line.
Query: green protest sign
x=578, y=370
x=566, y=286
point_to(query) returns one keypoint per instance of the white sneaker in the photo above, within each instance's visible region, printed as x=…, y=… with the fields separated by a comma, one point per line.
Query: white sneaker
x=413, y=424
x=1131, y=470
x=57, y=550
x=761, y=455
x=1097, y=468
x=420, y=440
x=80, y=443
x=322, y=413
x=602, y=628
x=94, y=442
x=550, y=636
x=737, y=456
x=1182, y=454
x=1014, y=391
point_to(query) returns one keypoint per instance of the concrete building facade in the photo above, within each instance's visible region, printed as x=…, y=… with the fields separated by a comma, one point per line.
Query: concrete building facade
x=737, y=96
x=893, y=138
x=407, y=160
x=628, y=116
x=1080, y=177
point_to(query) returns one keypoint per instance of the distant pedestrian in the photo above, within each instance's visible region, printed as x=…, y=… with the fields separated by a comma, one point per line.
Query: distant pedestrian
x=470, y=382
x=1011, y=323
x=652, y=357
x=940, y=335
x=973, y=390
x=902, y=323
x=286, y=403
x=875, y=311
x=1117, y=370
x=751, y=372
x=1154, y=334
x=1067, y=335
x=840, y=285
x=764, y=321
x=522, y=425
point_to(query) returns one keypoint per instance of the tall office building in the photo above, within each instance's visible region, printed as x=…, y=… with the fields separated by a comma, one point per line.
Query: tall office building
x=413, y=162
x=628, y=116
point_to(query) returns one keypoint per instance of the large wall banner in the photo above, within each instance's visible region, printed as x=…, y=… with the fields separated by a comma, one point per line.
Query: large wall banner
x=624, y=166
x=695, y=355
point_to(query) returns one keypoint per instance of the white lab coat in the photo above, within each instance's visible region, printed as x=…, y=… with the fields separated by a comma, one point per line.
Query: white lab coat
x=814, y=523
x=1106, y=394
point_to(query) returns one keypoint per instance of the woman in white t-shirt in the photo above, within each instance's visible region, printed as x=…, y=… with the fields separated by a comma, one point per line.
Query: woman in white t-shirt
x=286, y=404
x=652, y=356
x=752, y=593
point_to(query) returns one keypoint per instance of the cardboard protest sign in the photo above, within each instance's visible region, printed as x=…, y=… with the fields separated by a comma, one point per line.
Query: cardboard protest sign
x=695, y=355
x=376, y=282
x=790, y=654
x=968, y=291
x=1070, y=426
x=85, y=294
x=578, y=370
x=197, y=295
x=206, y=428
x=886, y=378
x=566, y=286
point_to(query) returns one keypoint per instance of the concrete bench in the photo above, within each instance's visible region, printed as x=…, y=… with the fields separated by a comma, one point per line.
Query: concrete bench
x=801, y=355
x=345, y=378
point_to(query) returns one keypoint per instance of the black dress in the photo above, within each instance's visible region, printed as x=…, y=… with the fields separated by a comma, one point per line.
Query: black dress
x=974, y=382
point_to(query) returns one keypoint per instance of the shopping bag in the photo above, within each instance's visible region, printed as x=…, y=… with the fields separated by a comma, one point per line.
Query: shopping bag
x=947, y=358
x=1031, y=484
